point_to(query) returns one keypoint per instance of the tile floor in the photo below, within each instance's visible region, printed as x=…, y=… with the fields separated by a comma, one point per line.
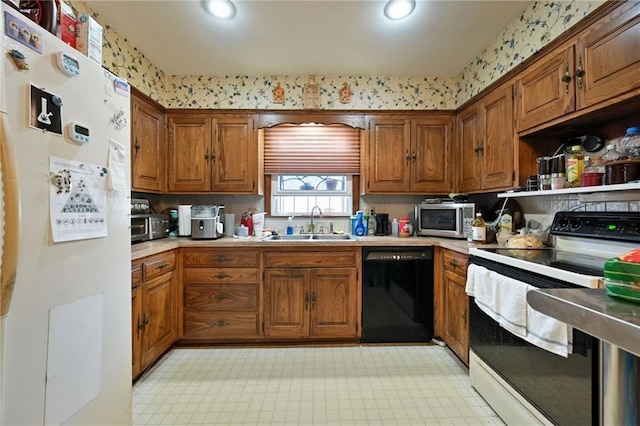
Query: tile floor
x=354, y=385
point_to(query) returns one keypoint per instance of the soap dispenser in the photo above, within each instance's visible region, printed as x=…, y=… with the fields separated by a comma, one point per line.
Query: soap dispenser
x=290, y=226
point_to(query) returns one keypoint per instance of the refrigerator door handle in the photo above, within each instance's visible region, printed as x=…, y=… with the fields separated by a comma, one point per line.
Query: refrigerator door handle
x=10, y=243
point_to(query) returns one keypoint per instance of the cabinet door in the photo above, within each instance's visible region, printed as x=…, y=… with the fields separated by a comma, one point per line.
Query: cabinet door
x=468, y=141
x=160, y=316
x=497, y=146
x=545, y=90
x=189, y=153
x=286, y=302
x=137, y=327
x=609, y=53
x=388, y=158
x=430, y=155
x=333, y=303
x=456, y=315
x=234, y=157
x=147, y=143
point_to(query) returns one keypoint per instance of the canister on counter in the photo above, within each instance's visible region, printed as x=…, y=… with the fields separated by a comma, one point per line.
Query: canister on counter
x=403, y=227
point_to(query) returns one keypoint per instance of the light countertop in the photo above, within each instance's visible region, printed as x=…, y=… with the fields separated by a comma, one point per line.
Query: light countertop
x=140, y=250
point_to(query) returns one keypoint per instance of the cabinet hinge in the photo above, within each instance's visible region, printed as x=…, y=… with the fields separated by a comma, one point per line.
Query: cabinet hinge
x=513, y=92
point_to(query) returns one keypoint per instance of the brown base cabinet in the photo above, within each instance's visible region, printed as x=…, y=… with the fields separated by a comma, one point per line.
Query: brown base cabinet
x=312, y=295
x=154, y=309
x=221, y=294
x=456, y=303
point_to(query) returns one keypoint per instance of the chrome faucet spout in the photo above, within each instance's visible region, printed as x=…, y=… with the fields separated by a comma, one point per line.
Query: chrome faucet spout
x=311, y=225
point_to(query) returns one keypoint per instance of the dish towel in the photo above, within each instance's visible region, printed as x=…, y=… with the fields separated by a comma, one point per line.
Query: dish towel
x=505, y=300
x=548, y=333
x=502, y=298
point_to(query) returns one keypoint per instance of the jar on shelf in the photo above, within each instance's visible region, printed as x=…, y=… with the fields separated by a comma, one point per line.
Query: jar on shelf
x=575, y=166
x=613, y=168
x=593, y=172
x=630, y=143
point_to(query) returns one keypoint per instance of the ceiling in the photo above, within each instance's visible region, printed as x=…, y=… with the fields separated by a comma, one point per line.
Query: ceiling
x=310, y=37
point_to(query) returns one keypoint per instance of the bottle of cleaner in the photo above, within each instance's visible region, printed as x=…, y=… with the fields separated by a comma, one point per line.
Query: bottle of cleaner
x=359, y=225
x=394, y=227
x=290, y=226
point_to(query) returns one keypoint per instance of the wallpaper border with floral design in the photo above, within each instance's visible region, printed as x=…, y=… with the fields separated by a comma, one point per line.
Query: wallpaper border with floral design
x=540, y=23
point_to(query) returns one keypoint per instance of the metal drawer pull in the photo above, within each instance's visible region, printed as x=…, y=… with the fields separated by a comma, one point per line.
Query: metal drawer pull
x=220, y=297
x=162, y=266
x=313, y=300
x=221, y=323
x=221, y=275
x=566, y=78
x=306, y=300
x=221, y=259
x=580, y=72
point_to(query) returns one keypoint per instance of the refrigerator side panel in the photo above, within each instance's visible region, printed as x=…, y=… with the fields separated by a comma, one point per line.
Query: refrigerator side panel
x=60, y=286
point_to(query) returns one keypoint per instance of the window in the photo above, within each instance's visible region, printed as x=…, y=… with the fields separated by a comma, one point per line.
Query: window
x=298, y=194
x=311, y=165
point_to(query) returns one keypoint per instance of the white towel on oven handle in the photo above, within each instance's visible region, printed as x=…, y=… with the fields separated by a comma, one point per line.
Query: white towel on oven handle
x=548, y=333
x=502, y=298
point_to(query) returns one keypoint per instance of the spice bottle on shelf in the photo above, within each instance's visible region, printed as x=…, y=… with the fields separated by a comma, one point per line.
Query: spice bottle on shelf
x=575, y=166
x=479, y=230
x=613, y=169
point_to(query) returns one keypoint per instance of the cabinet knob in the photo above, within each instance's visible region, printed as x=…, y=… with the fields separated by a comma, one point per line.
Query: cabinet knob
x=414, y=157
x=464, y=314
x=407, y=156
x=137, y=147
x=313, y=300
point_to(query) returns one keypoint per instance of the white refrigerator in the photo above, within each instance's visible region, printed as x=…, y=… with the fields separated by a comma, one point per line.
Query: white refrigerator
x=65, y=336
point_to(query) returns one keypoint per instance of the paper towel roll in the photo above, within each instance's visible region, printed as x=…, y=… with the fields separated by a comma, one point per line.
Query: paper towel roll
x=184, y=220
x=229, y=224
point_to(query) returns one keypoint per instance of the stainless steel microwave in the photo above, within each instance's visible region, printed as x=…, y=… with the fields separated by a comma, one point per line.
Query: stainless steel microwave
x=451, y=220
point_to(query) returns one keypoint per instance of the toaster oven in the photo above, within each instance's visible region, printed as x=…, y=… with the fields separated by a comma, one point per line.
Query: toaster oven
x=145, y=227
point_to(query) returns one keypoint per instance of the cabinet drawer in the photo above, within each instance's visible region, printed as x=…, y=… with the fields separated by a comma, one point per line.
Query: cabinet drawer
x=222, y=258
x=220, y=325
x=158, y=264
x=305, y=259
x=204, y=297
x=220, y=275
x=136, y=273
x=455, y=262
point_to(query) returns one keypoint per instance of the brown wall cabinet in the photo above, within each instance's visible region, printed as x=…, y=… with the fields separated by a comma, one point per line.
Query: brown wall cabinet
x=408, y=155
x=486, y=140
x=602, y=63
x=314, y=294
x=456, y=303
x=154, y=310
x=213, y=153
x=147, y=145
x=221, y=294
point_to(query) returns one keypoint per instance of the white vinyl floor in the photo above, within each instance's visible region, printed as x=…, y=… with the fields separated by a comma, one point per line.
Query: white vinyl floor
x=352, y=385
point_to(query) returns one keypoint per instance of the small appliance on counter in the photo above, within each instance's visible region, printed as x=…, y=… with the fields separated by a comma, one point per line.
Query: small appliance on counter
x=444, y=219
x=145, y=225
x=207, y=222
x=382, y=224
x=184, y=220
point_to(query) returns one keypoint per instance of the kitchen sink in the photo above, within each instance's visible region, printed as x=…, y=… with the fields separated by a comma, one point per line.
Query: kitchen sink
x=333, y=237
x=311, y=237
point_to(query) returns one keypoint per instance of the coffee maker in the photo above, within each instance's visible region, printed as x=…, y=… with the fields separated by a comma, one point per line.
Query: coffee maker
x=207, y=222
x=382, y=224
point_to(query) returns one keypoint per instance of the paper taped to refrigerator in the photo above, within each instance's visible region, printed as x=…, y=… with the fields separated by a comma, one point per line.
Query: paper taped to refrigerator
x=77, y=200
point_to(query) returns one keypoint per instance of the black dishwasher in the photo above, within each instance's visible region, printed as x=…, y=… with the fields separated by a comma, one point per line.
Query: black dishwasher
x=397, y=294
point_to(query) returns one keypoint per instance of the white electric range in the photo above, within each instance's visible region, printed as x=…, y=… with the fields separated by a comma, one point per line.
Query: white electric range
x=522, y=382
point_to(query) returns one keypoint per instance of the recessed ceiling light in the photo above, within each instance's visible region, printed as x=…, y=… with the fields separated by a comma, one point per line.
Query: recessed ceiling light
x=222, y=9
x=398, y=9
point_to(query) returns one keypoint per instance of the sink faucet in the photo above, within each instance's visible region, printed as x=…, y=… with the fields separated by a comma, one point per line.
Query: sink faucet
x=311, y=225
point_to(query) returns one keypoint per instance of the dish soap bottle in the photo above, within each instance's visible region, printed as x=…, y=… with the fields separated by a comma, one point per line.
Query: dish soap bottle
x=290, y=226
x=479, y=230
x=359, y=225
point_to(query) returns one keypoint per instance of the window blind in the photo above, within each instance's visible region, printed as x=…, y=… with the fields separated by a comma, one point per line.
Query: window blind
x=311, y=149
